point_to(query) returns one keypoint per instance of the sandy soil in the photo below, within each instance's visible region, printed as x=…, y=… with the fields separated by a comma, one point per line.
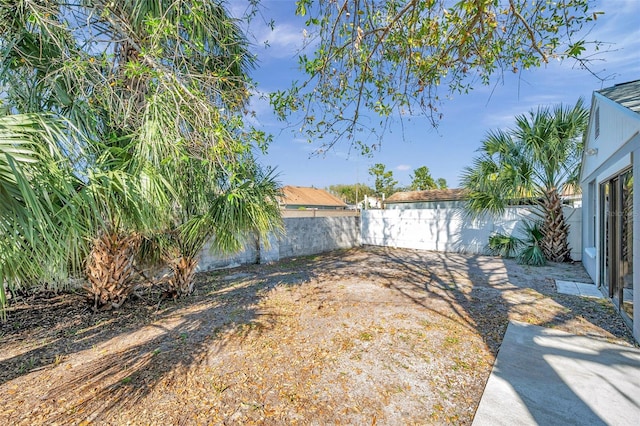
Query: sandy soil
x=364, y=336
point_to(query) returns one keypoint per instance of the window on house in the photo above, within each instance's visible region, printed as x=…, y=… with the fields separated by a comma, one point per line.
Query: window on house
x=597, y=122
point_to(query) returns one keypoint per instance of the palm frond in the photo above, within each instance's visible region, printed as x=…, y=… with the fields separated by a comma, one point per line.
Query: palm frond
x=504, y=245
x=532, y=253
x=41, y=237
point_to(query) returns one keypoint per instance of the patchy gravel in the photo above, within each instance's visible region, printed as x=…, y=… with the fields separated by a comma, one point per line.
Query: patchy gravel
x=365, y=336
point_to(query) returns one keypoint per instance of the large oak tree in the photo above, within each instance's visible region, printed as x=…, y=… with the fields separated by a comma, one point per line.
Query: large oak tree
x=371, y=60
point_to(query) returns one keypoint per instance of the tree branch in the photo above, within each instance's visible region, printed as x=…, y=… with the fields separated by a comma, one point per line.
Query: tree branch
x=532, y=36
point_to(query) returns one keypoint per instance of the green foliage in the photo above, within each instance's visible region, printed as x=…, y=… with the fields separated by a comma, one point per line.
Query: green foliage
x=351, y=194
x=247, y=206
x=532, y=253
x=384, y=184
x=504, y=245
x=551, y=142
x=151, y=97
x=41, y=221
x=422, y=180
x=532, y=163
x=388, y=58
x=527, y=250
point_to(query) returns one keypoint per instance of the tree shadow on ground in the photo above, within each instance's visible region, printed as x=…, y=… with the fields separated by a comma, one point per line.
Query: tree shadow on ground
x=462, y=291
x=118, y=357
x=561, y=378
x=487, y=293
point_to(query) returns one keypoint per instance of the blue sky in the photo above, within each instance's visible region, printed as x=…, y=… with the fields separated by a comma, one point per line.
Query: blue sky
x=452, y=146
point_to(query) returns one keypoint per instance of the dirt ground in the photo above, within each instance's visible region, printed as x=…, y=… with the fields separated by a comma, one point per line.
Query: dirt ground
x=364, y=336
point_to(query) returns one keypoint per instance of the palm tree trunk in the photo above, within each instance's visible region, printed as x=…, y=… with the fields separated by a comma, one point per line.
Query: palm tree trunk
x=258, y=249
x=184, y=269
x=555, y=244
x=110, y=269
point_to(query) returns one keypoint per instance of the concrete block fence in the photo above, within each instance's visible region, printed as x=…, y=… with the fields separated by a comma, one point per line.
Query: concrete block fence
x=303, y=236
x=445, y=230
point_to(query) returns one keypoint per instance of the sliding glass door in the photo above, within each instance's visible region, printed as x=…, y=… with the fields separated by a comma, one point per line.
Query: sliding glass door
x=616, y=195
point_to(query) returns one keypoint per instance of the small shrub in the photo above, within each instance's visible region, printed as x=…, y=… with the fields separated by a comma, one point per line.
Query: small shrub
x=527, y=251
x=504, y=245
x=532, y=253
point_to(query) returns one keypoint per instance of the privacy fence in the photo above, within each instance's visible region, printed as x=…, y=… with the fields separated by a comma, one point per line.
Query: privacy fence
x=303, y=236
x=451, y=230
x=445, y=230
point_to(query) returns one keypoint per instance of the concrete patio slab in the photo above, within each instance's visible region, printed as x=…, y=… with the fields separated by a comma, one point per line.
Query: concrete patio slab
x=578, y=289
x=544, y=376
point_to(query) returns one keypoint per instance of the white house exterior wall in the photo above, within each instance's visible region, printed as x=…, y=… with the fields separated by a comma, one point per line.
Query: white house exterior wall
x=618, y=148
x=617, y=126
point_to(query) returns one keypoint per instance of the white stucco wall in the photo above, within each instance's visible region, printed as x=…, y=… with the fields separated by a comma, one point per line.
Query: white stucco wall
x=425, y=205
x=450, y=230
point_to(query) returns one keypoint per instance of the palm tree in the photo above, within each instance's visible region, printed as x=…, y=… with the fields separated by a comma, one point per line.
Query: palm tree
x=169, y=105
x=226, y=207
x=535, y=162
x=127, y=202
x=147, y=84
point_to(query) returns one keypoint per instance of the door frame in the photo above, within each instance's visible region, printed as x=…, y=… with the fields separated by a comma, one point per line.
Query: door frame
x=613, y=268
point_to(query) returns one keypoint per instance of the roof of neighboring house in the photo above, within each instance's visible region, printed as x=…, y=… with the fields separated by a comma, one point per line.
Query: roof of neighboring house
x=428, y=195
x=303, y=196
x=626, y=94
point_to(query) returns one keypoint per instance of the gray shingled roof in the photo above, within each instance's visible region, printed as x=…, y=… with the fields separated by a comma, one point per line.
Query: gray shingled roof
x=626, y=94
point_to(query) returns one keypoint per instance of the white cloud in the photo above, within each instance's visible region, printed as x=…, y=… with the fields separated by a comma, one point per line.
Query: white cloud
x=237, y=9
x=261, y=111
x=403, y=167
x=284, y=41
